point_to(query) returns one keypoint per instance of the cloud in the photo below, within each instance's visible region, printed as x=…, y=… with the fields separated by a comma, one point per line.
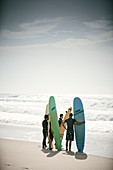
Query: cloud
x=39, y=22
x=35, y=29
x=100, y=24
x=99, y=31
x=70, y=43
x=96, y=32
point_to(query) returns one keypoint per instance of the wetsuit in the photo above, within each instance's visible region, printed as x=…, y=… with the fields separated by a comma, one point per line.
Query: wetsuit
x=70, y=129
x=60, y=121
x=45, y=132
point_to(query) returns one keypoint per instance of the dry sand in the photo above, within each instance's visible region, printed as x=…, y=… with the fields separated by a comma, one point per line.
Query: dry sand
x=25, y=155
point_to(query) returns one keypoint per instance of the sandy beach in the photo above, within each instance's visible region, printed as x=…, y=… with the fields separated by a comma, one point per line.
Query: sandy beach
x=18, y=155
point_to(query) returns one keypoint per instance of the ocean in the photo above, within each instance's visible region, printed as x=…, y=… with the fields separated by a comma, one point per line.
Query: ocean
x=21, y=118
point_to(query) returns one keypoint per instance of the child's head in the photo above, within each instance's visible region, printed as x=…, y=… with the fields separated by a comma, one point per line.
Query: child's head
x=70, y=115
x=61, y=116
x=46, y=117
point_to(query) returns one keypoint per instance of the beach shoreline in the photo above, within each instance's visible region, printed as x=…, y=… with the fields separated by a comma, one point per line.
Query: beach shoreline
x=99, y=144
x=20, y=154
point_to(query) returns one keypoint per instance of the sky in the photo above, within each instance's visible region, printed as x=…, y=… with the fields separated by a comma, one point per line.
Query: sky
x=56, y=47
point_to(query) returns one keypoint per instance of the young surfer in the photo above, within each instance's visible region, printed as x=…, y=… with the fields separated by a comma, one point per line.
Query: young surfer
x=45, y=130
x=70, y=130
x=60, y=119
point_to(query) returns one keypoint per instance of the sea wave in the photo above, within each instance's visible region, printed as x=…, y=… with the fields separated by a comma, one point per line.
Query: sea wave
x=20, y=119
x=23, y=98
x=99, y=126
x=30, y=109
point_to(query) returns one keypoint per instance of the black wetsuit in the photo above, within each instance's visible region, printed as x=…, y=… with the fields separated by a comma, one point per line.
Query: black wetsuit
x=60, y=121
x=45, y=132
x=70, y=129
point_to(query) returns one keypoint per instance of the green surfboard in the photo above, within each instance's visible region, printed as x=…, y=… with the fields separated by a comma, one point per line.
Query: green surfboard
x=54, y=122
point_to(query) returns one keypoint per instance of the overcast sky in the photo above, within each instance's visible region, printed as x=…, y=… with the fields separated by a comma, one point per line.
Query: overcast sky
x=55, y=47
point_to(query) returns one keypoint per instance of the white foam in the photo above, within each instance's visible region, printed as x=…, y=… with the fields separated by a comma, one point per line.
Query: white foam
x=30, y=109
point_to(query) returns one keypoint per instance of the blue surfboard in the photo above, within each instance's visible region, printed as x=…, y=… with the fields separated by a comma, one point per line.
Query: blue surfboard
x=78, y=112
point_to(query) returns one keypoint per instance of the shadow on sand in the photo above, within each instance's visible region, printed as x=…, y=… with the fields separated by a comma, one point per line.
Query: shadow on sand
x=51, y=153
x=45, y=150
x=69, y=153
x=79, y=155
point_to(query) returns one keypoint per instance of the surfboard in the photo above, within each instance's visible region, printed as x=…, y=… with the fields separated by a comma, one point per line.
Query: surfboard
x=54, y=122
x=62, y=129
x=78, y=112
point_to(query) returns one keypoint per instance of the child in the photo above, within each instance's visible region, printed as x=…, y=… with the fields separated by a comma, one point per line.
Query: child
x=60, y=119
x=70, y=130
x=45, y=130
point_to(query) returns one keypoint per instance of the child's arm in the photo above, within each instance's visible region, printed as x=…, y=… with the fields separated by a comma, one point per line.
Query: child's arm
x=63, y=125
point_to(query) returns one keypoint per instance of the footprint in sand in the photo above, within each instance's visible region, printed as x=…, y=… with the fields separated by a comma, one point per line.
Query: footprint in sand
x=7, y=164
x=25, y=168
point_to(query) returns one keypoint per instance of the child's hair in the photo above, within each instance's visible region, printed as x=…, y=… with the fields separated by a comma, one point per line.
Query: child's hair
x=46, y=116
x=61, y=115
x=70, y=114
